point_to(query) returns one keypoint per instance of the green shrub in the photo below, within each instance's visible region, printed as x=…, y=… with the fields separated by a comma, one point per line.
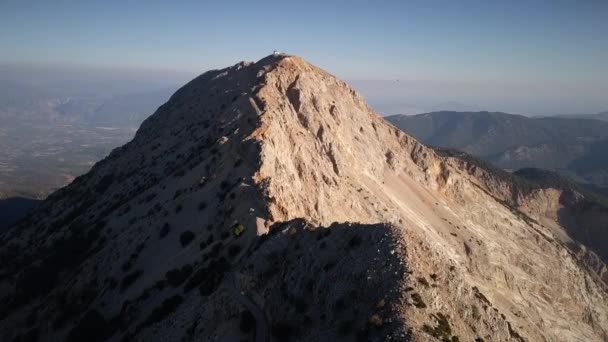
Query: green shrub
x=215, y=250
x=176, y=277
x=417, y=299
x=442, y=330
x=205, y=243
x=164, y=230
x=129, y=279
x=186, y=237
x=238, y=229
x=207, y=278
x=211, y=282
x=168, y=306
x=423, y=281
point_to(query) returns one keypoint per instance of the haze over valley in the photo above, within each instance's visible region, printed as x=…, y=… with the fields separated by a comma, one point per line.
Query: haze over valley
x=55, y=124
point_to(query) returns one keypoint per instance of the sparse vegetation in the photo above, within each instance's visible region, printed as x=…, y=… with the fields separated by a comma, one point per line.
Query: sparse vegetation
x=176, y=277
x=207, y=278
x=164, y=230
x=65, y=254
x=423, y=281
x=441, y=330
x=418, y=302
x=168, y=306
x=238, y=229
x=129, y=279
x=186, y=237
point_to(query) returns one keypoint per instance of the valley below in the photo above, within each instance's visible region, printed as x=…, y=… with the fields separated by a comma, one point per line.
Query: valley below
x=37, y=159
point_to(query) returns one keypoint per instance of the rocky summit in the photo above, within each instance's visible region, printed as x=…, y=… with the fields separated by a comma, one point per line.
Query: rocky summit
x=268, y=202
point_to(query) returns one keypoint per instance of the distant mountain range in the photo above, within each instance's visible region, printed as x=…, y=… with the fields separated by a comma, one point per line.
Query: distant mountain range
x=598, y=116
x=572, y=146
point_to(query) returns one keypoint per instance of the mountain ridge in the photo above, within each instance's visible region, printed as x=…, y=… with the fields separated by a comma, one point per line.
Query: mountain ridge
x=238, y=184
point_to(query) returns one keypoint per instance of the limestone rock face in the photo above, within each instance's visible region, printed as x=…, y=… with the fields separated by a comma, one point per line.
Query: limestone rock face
x=269, y=201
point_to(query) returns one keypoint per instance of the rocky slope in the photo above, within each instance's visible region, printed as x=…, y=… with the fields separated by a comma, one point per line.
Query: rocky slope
x=269, y=201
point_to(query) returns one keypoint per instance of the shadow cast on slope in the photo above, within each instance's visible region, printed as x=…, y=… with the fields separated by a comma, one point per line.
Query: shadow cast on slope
x=586, y=222
x=13, y=209
x=342, y=282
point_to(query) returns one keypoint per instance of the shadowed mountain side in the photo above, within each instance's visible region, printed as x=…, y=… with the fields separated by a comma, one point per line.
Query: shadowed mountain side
x=341, y=281
x=309, y=283
x=13, y=209
x=300, y=282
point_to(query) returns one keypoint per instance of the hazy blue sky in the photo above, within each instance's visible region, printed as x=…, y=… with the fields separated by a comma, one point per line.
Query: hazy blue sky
x=533, y=45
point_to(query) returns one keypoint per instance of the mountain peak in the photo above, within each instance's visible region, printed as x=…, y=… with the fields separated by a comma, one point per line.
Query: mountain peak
x=270, y=195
